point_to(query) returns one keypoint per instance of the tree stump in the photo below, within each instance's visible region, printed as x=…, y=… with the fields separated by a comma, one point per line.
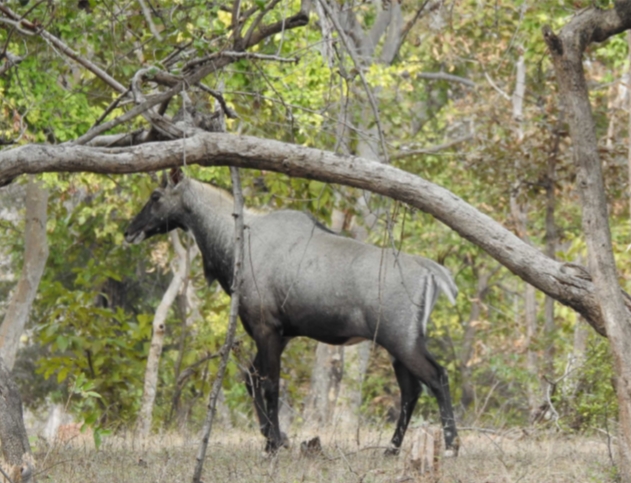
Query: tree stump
x=18, y=463
x=427, y=451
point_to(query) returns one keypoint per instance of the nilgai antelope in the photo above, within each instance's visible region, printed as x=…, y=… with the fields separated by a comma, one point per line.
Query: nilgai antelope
x=302, y=279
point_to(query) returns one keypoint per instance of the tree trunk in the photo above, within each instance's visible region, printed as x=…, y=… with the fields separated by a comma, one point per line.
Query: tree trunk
x=180, y=266
x=16, y=451
x=566, y=51
x=466, y=353
x=519, y=211
x=35, y=256
x=532, y=359
x=325, y=384
x=326, y=376
x=551, y=246
x=629, y=127
x=520, y=217
x=350, y=397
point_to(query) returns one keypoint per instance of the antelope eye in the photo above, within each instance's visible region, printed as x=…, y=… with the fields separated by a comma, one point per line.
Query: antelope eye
x=155, y=196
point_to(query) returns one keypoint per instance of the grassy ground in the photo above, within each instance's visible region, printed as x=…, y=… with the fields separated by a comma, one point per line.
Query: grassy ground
x=235, y=456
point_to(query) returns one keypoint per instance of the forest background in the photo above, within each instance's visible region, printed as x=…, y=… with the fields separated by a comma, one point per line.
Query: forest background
x=461, y=93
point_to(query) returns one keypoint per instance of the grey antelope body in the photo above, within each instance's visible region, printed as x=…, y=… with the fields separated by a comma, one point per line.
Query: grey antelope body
x=300, y=279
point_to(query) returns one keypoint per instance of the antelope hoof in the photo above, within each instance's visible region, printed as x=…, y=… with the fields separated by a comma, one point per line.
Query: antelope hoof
x=391, y=451
x=272, y=447
x=284, y=440
x=451, y=453
x=453, y=448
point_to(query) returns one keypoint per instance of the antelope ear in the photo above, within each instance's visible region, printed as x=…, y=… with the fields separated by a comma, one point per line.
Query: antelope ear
x=175, y=176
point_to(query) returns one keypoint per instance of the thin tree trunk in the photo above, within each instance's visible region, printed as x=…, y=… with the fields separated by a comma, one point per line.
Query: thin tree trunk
x=35, y=256
x=326, y=375
x=186, y=302
x=551, y=238
x=356, y=356
x=629, y=127
x=532, y=359
x=180, y=267
x=520, y=216
x=16, y=451
x=325, y=384
x=356, y=359
x=232, y=325
x=466, y=353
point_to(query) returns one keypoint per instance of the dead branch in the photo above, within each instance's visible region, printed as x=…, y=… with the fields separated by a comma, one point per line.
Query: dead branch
x=446, y=77
x=232, y=325
x=237, y=55
x=11, y=61
x=147, y=15
x=228, y=111
x=432, y=149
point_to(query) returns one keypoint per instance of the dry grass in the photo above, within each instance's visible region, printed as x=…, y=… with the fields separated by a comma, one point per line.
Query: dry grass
x=236, y=456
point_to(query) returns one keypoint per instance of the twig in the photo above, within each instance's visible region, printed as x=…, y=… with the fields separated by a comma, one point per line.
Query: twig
x=5, y=475
x=238, y=55
x=234, y=308
x=494, y=86
x=406, y=29
x=188, y=372
x=343, y=456
x=298, y=20
x=359, y=68
x=173, y=56
x=110, y=108
x=16, y=26
x=236, y=30
x=157, y=121
x=12, y=61
x=432, y=149
x=228, y=111
x=257, y=20
x=147, y=14
x=446, y=77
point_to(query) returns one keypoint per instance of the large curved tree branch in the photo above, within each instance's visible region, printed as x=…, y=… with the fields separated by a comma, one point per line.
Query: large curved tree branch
x=567, y=283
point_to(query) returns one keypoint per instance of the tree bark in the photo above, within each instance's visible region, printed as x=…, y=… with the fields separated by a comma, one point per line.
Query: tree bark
x=16, y=451
x=157, y=337
x=35, y=256
x=551, y=238
x=466, y=353
x=629, y=126
x=566, y=50
x=326, y=377
x=568, y=283
x=232, y=324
